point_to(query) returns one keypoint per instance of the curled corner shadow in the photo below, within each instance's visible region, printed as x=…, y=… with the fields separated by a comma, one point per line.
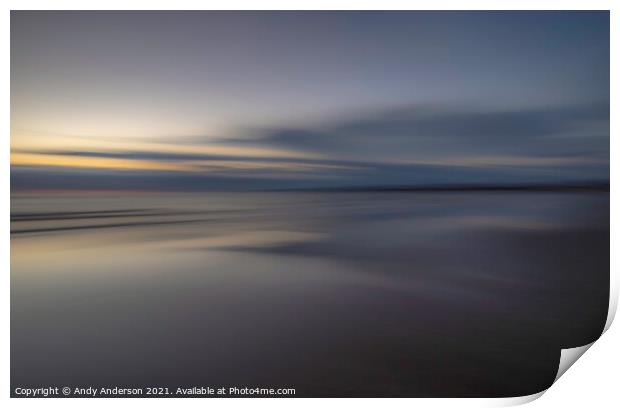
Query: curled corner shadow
x=569, y=356
x=567, y=359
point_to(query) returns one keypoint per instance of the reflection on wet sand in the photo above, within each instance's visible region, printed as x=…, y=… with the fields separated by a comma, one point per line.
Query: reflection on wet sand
x=334, y=294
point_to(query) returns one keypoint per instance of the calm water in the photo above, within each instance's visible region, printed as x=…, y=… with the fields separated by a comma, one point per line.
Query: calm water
x=334, y=294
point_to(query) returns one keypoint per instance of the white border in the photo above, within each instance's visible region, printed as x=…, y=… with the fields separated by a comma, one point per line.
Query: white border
x=593, y=378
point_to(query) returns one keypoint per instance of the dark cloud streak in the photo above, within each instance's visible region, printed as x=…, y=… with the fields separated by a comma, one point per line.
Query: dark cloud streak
x=425, y=131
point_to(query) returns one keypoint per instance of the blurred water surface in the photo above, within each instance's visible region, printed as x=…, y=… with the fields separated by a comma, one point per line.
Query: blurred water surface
x=334, y=294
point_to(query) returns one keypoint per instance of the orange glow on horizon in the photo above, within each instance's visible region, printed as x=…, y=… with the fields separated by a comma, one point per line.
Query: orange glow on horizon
x=56, y=160
x=29, y=159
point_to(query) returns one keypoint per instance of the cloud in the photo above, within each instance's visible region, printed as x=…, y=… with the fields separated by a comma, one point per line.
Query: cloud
x=421, y=145
x=425, y=132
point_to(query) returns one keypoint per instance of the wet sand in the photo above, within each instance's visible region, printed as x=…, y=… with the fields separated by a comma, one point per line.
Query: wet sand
x=392, y=294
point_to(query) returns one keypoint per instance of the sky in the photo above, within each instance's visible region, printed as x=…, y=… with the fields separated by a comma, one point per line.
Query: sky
x=205, y=100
